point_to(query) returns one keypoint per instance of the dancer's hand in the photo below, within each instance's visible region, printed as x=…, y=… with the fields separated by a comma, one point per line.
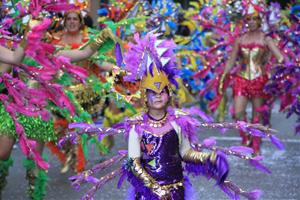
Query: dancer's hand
x=107, y=34
x=101, y=38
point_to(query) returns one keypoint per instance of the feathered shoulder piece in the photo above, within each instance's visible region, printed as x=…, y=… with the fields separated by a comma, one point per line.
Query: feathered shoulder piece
x=189, y=120
x=179, y=112
x=136, y=119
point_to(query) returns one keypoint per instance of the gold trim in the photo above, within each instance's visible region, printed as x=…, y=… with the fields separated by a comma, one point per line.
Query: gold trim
x=199, y=157
x=159, y=123
x=173, y=186
x=148, y=181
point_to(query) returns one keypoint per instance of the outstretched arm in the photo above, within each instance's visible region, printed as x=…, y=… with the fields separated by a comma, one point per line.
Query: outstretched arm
x=209, y=164
x=15, y=57
x=105, y=66
x=78, y=55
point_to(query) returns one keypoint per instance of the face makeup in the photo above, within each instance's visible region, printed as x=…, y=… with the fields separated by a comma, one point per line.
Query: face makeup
x=157, y=100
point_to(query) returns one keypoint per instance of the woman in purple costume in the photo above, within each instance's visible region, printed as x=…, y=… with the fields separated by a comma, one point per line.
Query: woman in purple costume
x=162, y=140
x=157, y=153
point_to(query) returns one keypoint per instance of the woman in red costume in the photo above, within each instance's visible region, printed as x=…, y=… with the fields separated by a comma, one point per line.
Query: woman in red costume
x=252, y=49
x=75, y=36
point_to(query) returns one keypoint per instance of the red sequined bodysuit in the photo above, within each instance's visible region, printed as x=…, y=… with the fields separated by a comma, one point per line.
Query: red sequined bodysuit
x=251, y=78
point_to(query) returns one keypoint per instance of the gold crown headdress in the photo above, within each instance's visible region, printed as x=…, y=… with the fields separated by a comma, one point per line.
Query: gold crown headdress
x=151, y=61
x=156, y=81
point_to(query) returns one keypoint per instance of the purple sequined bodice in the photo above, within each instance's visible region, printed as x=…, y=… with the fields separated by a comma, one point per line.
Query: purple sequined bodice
x=161, y=157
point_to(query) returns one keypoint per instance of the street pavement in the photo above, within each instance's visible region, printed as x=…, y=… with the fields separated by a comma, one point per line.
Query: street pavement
x=282, y=184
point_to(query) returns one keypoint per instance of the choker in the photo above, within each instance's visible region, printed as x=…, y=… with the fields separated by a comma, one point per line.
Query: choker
x=157, y=123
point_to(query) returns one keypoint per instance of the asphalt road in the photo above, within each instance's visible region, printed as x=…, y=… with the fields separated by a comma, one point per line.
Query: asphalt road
x=283, y=183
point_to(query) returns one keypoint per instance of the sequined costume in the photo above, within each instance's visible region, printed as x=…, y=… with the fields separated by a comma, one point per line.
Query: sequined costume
x=161, y=150
x=251, y=78
x=90, y=104
x=165, y=154
x=35, y=128
x=162, y=160
x=84, y=93
x=250, y=81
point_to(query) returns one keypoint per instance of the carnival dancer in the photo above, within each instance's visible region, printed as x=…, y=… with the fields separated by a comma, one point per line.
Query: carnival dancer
x=162, y=141
x=7, y=140
x=252, y=49
x=34, y=127
x=14, y=125
x=75, y=36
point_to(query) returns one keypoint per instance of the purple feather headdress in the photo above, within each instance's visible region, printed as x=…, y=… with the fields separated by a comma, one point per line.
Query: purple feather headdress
x=147, y=52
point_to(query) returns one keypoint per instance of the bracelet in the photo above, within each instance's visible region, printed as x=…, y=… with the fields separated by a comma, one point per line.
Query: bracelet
x=96, y=44
x=196, y=156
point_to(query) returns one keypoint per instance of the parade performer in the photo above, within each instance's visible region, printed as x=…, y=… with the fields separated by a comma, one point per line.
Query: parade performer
x=6, y=138
x=75, y=36
x=252, y=49
x=250, y=46
x=162, y=137
x=39, y=126
x=35, y=128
